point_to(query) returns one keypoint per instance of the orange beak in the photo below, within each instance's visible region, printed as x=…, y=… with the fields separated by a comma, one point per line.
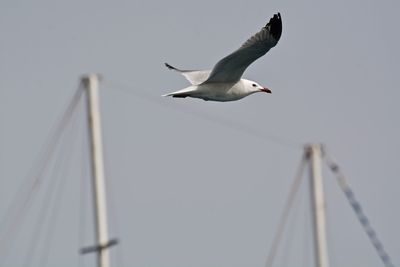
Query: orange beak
x=265, y=89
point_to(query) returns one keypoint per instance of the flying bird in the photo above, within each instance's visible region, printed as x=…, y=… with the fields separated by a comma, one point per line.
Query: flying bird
x=224, y=82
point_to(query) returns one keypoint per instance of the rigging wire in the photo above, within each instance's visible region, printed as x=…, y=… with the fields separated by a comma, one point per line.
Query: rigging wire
x=50, y=193
x=288, y=243
x=357, y=208
x=60, y=192
x=234, y=125
x=285, y=214
x=22, y=199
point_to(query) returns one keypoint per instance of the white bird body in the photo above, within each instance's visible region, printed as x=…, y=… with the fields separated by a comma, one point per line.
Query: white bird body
x=220, y=91
x=224, y=83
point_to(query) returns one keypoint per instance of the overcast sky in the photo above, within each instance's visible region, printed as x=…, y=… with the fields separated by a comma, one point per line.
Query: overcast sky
x=192, y=182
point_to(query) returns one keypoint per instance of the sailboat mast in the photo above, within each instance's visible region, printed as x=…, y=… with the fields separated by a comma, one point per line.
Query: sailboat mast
x=91, y=84
x=314, y=155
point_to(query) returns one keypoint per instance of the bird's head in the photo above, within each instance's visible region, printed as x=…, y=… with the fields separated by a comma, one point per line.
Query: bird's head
x=254, y=87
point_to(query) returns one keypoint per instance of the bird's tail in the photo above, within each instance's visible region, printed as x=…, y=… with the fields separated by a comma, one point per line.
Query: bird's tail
x=188, y=91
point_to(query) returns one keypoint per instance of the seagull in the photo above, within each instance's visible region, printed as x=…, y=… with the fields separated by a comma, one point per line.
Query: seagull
x=224, y=83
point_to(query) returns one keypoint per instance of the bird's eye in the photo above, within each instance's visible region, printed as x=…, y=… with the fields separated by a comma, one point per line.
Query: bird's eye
x=254, y=85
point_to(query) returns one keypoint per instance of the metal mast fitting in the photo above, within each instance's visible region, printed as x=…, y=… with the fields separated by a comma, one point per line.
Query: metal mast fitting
x=91, y=85
x=314, y=154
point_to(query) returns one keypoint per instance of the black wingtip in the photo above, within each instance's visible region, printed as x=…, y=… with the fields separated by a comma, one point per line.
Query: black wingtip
x=169, y=66
x=275, y=26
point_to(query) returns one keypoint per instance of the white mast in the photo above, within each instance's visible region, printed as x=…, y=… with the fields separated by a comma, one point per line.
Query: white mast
x=314, y=154
x=91, y=83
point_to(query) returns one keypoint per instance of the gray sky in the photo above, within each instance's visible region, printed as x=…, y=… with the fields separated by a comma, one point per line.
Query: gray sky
x=188, y=191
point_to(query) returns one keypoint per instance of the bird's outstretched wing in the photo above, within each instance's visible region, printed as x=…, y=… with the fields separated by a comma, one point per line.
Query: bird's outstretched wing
x=231, y=67
x=195, y=77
